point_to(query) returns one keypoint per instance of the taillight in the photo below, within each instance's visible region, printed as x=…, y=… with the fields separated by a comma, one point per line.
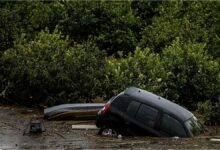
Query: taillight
x=105, y=108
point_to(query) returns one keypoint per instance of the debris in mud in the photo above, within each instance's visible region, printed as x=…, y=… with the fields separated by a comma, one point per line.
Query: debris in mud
x=109, y=132
x=175, y=138
x=35, y=126
x=120, y=136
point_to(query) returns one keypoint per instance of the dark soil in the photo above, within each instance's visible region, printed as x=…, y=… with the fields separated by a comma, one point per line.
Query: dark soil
x=60, y=135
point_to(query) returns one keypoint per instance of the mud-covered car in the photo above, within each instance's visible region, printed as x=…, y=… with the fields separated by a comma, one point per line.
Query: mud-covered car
x=136, y=111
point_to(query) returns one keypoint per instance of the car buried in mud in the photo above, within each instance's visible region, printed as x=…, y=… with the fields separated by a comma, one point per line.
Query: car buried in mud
x=138, y=112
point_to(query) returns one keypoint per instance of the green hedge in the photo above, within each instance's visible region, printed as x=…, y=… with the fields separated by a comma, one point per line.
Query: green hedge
x=49, y=70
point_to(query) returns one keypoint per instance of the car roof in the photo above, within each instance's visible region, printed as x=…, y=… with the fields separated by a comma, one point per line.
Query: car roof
x=159, y=102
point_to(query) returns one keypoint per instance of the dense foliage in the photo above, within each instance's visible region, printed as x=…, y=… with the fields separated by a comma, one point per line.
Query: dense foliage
x=55, y=52
x=46, y=68
x=210, y=111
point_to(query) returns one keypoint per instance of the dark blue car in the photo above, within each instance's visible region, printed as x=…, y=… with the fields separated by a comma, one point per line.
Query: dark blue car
x=136, y=111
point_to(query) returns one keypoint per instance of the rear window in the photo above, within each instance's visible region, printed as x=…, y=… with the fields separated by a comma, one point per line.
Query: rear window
x=147, y=115
x=172, y=126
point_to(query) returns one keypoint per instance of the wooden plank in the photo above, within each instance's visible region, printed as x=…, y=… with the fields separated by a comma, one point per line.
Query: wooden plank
x=84, y=127
x=215, y=140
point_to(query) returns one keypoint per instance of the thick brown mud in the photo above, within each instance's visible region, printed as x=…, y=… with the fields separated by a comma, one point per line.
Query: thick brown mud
x=60, y=135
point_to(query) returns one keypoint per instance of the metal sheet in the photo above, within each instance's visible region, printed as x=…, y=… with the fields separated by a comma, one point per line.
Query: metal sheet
x=73, y=110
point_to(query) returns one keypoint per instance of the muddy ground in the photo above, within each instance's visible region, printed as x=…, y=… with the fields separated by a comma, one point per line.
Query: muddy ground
x=60, y=135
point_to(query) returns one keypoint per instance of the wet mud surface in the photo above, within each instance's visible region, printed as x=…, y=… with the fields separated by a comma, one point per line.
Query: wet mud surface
x=60, y=135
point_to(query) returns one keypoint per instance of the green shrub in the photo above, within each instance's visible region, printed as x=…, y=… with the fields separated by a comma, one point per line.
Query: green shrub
x=84, y=66
x=48, y=70
x=210, y=112
x=191, y=75
x=33, y=66
x=141, y=69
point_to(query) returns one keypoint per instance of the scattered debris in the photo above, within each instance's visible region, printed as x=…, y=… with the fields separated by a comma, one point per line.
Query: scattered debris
x=35, y=126
x=175, y=137
x=109, y=132
x=73, y=111
x=120, y=136
x=60, y=135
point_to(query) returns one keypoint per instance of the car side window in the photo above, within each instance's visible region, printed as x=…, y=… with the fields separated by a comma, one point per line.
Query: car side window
x=121, y=103
x=147, y=115
x=132, y=108
x=172, y=126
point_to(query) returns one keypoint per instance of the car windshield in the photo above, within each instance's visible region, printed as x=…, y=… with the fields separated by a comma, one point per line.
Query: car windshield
x=194, y=126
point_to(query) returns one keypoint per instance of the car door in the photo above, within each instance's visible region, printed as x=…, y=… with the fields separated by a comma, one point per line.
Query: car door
x=147, y=118
x=171, y=126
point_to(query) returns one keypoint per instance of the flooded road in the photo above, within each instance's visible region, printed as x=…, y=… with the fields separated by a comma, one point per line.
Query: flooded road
x=60, y=135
